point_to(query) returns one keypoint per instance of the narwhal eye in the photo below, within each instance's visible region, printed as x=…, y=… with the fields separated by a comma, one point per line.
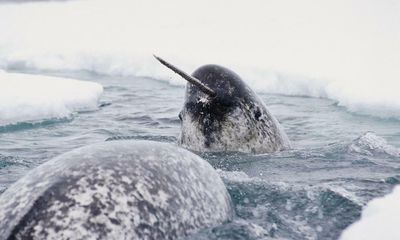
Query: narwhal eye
x=257, y=114
x=180, y=116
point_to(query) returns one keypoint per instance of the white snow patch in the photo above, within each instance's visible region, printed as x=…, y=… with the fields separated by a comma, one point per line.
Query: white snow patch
x=25, y=97
x=352, y=59
x=380, y=220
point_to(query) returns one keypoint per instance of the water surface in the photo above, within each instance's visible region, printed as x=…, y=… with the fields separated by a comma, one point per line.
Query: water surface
x=338, y=163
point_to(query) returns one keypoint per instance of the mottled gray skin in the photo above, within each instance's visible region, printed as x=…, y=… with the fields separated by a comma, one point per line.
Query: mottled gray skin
x=116, y=190
x=235, y=120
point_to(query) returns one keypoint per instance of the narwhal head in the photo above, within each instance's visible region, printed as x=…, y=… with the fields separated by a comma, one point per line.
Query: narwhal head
x=221, y=113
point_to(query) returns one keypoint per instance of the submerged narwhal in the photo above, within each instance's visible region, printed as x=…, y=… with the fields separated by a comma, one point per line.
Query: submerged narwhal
x=221, y=113
x=116, y=190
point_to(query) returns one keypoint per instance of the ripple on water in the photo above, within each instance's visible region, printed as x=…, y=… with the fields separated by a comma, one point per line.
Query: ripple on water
x=6, y=161
x=290, y=211
x=21, y=126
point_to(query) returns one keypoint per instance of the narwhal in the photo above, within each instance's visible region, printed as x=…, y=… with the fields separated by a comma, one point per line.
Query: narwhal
x=222, y=113
x=116, y=190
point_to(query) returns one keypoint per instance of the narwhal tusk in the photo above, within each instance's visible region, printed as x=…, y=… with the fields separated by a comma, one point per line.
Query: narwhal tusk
x=187, y=77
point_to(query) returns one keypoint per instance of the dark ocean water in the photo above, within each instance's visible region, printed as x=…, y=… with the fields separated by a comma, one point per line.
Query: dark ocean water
x=338, y=163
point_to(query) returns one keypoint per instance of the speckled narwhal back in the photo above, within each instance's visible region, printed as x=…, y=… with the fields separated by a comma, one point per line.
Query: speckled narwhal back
x=116, y=190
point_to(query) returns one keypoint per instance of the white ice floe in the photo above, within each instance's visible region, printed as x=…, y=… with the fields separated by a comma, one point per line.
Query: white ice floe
x=30, y=98
x=380, y=220
x=352, y=60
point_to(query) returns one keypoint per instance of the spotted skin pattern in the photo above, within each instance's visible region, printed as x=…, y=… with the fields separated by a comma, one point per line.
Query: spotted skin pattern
x=116, y=190
x=235, y=120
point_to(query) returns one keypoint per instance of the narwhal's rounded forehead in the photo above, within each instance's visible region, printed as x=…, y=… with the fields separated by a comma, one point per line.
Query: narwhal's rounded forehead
x=220, y=79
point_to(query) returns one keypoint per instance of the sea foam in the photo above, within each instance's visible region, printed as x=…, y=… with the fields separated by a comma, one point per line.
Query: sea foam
x=30, y=98
x=302, y=50
x=379, y=220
